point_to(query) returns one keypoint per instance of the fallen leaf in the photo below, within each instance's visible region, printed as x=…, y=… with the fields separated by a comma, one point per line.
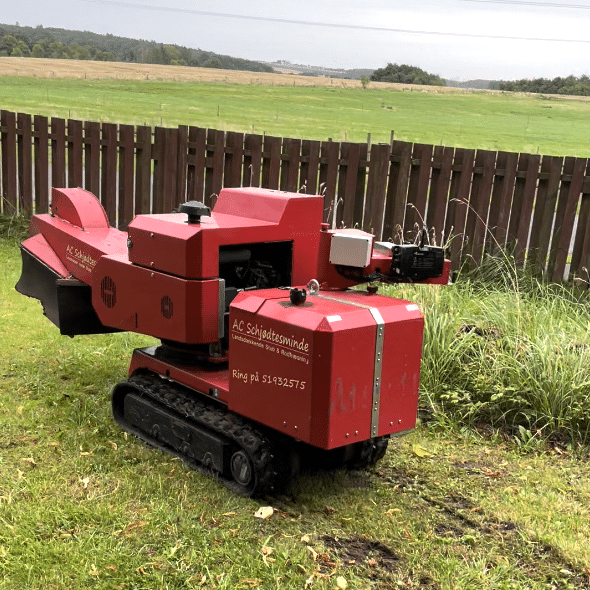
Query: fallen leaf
x=113, y=568
x=511, y=490
x=29, y=460
x=53, y=444
x=113, y=445
x=420, y=451
x=264, y=512
x=314, y=553
x=371, y=562
x=267, y=550
x=306, y=539
x=309, y=581
x=94, y=571
x=341, y=583
x=85, y=482
x=252, y=582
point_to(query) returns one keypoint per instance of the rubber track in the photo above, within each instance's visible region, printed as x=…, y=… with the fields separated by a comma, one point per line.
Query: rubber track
x=216, y=419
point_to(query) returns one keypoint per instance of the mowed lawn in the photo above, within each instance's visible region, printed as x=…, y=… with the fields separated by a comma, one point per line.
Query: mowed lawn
x=336, y=109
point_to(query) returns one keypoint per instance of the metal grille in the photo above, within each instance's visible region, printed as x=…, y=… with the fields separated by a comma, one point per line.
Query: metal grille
x=108, y=292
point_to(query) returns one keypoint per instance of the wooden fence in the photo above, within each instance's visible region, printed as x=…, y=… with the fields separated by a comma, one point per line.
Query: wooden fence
x=539, y=205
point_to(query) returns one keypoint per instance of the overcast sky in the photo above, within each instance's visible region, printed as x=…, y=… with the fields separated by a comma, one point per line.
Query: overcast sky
x=458, y=39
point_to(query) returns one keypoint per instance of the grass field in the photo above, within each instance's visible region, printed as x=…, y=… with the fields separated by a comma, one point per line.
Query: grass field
x=281, y=105
x=82, y=505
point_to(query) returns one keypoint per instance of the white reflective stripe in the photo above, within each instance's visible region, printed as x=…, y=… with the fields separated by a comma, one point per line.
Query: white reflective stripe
x=334, y=318
x=412, y=307
x=377, y=370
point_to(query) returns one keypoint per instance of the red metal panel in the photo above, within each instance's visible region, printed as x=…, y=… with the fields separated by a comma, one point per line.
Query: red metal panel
x=479, y=202
x=75, y=143
x=569, y=197
x=41, y=134
x=149, y=302
x=126, y=172
x=92, y=157
x=143, y=170
x=439, y=192
x=397, y=190
x=290, y=365
x=25, y=157
x=418, y=190
x=108, y=183
x=271, y=162
x=58, y=152
x=376, y=189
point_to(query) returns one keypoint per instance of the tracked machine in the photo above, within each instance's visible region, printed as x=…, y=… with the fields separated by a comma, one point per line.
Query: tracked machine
x=266, y=354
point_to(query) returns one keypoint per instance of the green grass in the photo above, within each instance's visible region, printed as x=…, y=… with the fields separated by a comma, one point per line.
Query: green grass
x=555, y=126
x=82, y=505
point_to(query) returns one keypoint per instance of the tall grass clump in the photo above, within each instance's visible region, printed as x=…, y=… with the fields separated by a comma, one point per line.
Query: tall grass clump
x=503, y=348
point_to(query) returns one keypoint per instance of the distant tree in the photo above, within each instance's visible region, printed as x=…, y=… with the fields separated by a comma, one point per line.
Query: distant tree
x=212, y=62
x=405, y=74
x=38, y=50
x=365, y=81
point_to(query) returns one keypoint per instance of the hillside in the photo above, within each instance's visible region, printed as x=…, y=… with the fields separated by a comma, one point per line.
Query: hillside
x=54, y=43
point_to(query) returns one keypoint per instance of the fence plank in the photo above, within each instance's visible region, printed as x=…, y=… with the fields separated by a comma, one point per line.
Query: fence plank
x=351, y=188
x=158, y=162
x=232, y=176
x=197, y=146
x=418, y=188
x=523, y=200
x=506, y=164
x=170, y=171
x=459, y=202
x=271, y=162
x=377, y=189
x=397, y=191
x=58, y=153
x=126, y=172
x=9, y=174
x=479, y=202
x=580, y=263
x=442, y=162
x=310, y=166
x=569, y=197
x=544, y=211
x=181, y=160
x=108, y=182
x=75, y=148
x=41, y=144
x=290, y=165
x=143, y=169
x=252, y=160
x=328, y=176
x=92, y=157
x=25, y=169
x=214, y=163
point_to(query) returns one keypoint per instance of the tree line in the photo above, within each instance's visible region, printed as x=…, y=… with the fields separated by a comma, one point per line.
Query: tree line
x=17, y=41
x=570, y=85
